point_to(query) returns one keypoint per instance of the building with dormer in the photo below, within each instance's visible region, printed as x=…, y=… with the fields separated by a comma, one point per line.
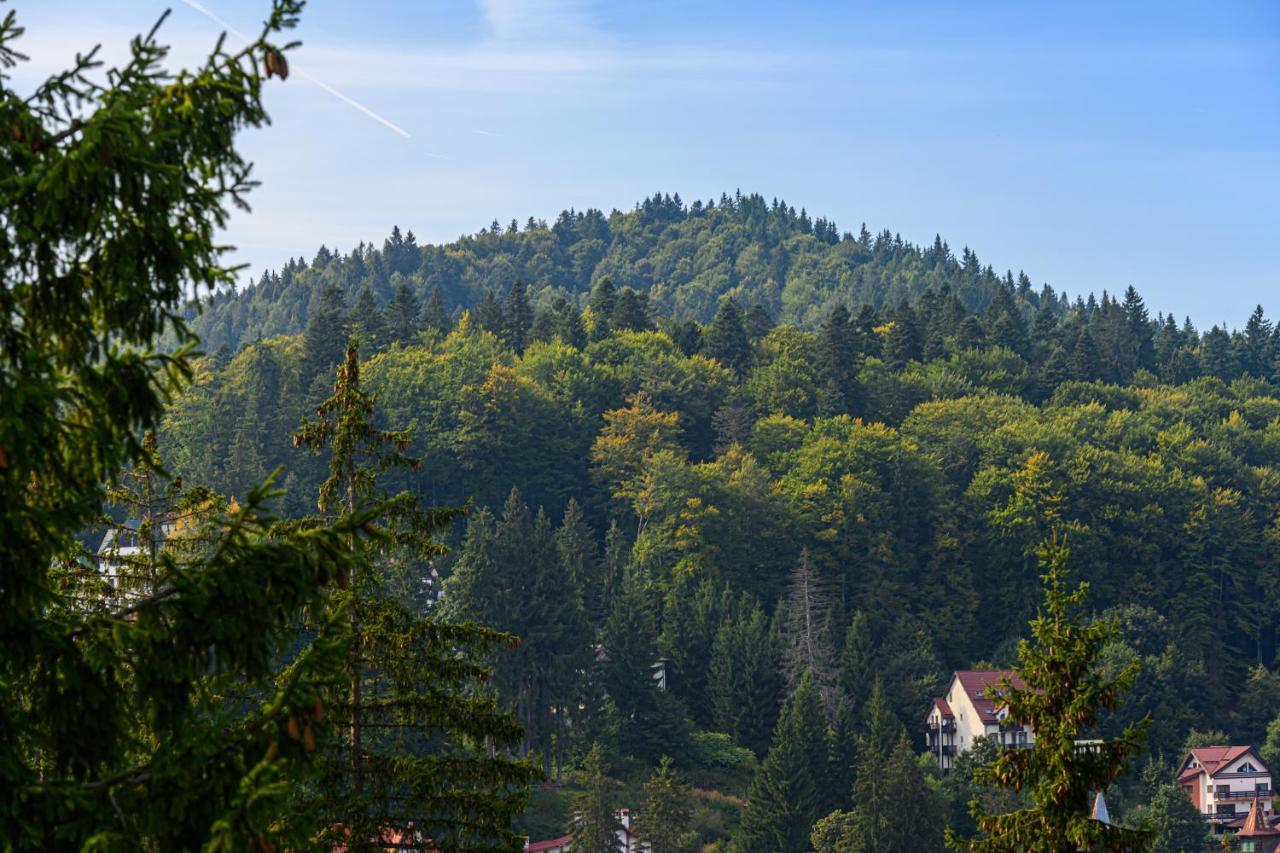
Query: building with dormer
x=1223, y=782
x=964, y=713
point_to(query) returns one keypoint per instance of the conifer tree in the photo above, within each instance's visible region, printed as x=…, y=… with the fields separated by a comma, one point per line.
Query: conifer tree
x=576, y=547
x=595, y=821
x=490, y=316
x=807, y=635
x=567, y=325
x=691, y=616
x=758, y=322
x=517, y=317
x=894, y=811
x=402, y=314
x=837, y=362
x=116, y=733
x=788, y=792
x=417, y=755
x=665, y=820
x=366, y=322
x=325, y=338
x=601, y=303
x=511, y=575
x=904, y=341
x=652, y=720
x=725, y=338
x=433, y=314
x=1173, y=821
x=743, y=679
x=1064, y=695
x=630, y=311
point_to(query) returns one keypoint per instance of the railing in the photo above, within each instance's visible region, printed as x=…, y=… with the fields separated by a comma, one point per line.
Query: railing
x=945, y=728
x=1242, y=795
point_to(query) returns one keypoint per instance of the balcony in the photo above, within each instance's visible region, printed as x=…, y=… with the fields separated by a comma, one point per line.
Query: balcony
x=1242, y=795
x=947, y=727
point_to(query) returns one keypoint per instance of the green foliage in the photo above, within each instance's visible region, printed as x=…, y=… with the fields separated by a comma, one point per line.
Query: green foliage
x=1173, y=822
x=116, y=725
x=417, y=751
x=788, y=792
x=1063, y=698
x=894, y=809
x=511, y=575
x=665, y=820
x=595, y=822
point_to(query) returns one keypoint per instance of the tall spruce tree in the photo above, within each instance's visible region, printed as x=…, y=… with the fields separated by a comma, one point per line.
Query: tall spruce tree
x=115, y=731
x=652, y=720
x=837, y=362
x=725, y=338
x=595, y=827
x=325, y=337
x=894, y=810
x=788, y=792
x=433, y=314
x=403, y=314
x=517, y=317
x=665, y=820
x=418, y=754
x=511, y=575
x=367, y=323
x=1065, y=693
x=743, y=677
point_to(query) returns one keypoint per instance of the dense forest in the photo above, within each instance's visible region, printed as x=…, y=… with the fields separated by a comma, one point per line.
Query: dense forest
x=805, y=473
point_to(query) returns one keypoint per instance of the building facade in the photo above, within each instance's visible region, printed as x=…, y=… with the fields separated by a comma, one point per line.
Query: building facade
x=963, y=714
x=1224, y=781
x=627, y=841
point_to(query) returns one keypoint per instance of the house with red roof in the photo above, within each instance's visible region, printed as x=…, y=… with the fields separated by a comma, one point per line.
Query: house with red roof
x=1223, y=782
x=964, y=713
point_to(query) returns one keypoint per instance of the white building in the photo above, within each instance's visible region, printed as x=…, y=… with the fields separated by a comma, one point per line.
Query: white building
x=1223, y=782
x=964, y=714
x=123, y=555
x=627, y=841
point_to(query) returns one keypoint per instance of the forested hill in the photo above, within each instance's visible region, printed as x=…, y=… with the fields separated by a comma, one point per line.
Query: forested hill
x=662, y=487
x=683, y=257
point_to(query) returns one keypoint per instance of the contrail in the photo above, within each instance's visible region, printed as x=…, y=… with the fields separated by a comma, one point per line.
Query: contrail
x=349, y=101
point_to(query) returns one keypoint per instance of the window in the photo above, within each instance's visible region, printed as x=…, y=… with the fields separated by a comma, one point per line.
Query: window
x=1248, y=768
x=1262, y=788
x=1228, y=809
x=1222, y=789
x=1248, y=847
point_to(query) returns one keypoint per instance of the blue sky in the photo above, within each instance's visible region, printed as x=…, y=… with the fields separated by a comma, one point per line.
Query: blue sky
x=1094, y=145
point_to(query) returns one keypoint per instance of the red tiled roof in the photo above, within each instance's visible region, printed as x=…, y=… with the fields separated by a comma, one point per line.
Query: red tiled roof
x=535, y=846
x=943, y=708
x=1212, y=759
x=974, y=682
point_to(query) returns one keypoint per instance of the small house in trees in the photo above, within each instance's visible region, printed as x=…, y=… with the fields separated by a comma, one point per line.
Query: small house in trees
x=1223, y=781
x=964, y=713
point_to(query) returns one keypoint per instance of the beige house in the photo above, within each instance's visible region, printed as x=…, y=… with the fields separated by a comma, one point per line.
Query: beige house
x=1223, y=782
x=963, y=714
